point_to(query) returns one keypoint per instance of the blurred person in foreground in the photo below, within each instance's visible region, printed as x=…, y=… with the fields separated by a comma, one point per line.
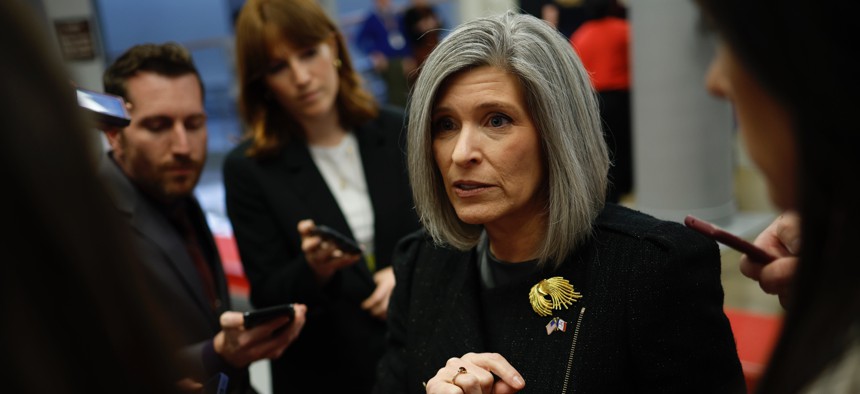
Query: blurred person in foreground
x=524, y=278
x=796, y=116
x=152, y=168
x=77, y=317
x=318, y=150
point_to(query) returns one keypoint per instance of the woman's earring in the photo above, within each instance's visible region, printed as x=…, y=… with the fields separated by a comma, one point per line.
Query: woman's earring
x=337, y=63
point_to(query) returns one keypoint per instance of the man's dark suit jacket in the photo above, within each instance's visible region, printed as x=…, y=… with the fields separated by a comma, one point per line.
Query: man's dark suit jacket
x=650, y=319
x=175, y=281
x=265, y=201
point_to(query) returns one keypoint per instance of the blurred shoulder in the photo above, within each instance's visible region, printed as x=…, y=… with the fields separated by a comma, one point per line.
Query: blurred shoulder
x=387, y=110
x=390, y=116
x=388, y=125
x=619, y=221
x=419, y=248
x=238, y=165
x=408, y=247
x=239, y=152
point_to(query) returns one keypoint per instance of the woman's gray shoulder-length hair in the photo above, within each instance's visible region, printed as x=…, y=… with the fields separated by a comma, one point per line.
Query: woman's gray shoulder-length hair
x=562, y=105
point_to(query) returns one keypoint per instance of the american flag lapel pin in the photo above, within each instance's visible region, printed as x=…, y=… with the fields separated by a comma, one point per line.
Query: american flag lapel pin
x=552, y=326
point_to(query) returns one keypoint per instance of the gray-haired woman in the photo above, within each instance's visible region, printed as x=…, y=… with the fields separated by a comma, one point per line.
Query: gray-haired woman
x=508, y=169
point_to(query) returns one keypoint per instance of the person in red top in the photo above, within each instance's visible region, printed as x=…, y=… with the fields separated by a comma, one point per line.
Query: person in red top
x=603, y=44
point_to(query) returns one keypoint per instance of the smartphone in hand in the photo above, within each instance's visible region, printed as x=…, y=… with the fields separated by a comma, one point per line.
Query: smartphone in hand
x=755, y=253
x=342, y=242
x=260, y=316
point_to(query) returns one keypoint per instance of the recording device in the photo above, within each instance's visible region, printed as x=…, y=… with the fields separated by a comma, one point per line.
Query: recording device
x=108, y=110
x=260, y=316
x=342, y=242
x=755, y=254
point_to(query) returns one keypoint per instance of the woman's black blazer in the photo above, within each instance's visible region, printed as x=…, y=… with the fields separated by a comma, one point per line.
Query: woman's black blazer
x=650, y=320
x=265, y=201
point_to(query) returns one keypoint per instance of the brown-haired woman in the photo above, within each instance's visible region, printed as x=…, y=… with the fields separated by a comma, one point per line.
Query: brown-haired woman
x=318, y=147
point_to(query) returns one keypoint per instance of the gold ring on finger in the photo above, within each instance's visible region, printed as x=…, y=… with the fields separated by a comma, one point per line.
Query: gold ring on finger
x=460, y=371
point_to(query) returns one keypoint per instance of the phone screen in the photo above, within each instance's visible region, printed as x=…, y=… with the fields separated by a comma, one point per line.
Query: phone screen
x=108, y=108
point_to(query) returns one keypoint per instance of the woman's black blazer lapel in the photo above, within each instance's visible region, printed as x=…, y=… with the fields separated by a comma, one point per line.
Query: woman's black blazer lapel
x=306, y=182
x=381, y=143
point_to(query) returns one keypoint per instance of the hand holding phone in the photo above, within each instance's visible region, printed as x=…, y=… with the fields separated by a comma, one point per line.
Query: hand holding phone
x=754, y=253
x=260, y=316
x=342, y=242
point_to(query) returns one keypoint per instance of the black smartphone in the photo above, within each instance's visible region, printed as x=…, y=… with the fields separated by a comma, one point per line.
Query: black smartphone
x=260, y=316
x=107, y=109
x=217, y=384
x=342, y=242
x=755, y=253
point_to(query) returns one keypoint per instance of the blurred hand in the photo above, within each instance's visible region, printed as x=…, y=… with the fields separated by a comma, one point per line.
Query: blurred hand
x=323, y=257
x=188, y=385
x=781, y=239
x=240, y=347
x=377, y=303
x=478, y=375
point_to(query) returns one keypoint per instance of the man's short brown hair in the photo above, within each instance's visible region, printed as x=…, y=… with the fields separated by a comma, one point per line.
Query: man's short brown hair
x=169, y=59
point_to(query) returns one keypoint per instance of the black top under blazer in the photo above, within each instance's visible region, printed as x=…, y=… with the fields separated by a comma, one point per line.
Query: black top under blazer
x=265, y=201
x=651, y=318
x=175, y=281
